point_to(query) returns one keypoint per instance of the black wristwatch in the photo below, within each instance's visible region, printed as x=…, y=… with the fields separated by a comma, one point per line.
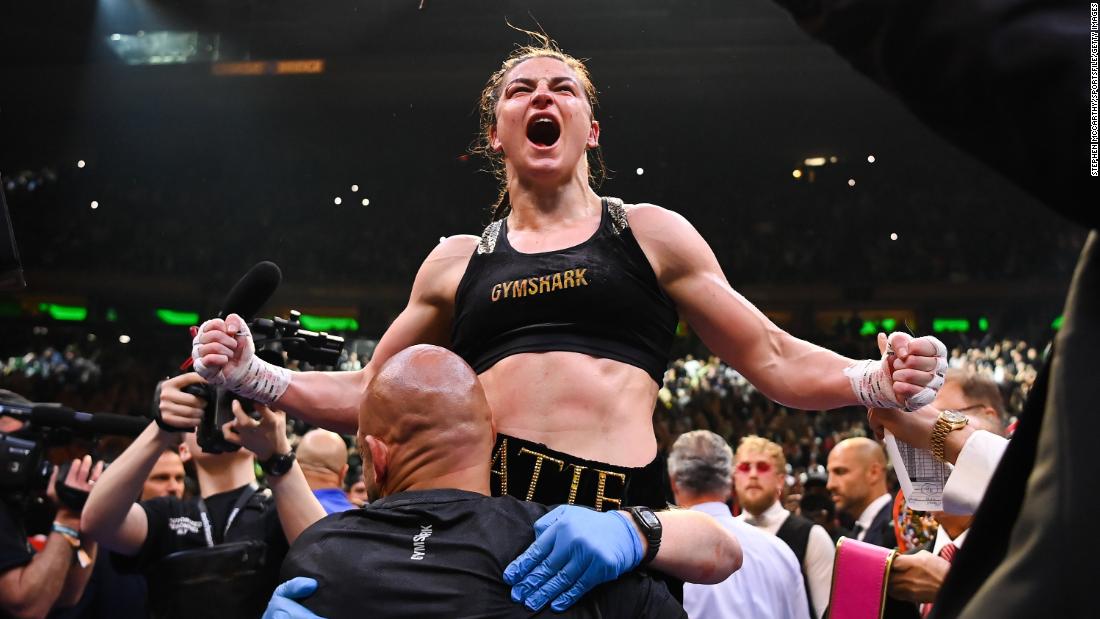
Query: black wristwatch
x=278, y=464
x=651, y=528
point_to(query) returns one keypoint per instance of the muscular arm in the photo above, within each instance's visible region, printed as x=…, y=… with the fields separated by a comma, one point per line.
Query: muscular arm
x=331, y=399
x=789, y=370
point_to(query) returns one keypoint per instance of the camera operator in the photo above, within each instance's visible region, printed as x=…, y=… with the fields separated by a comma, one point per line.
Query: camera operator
x=181, y=545
x=33, y=583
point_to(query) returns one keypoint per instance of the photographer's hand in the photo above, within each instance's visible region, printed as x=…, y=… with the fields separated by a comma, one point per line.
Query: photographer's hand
x=264, y=437
x=179, y=409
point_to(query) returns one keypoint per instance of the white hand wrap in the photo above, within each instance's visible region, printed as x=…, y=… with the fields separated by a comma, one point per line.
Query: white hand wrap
x=250, y=377
x=925, y=396
x=873, y=388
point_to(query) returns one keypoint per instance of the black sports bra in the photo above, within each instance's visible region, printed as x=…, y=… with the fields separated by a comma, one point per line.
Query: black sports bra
x=599, y=298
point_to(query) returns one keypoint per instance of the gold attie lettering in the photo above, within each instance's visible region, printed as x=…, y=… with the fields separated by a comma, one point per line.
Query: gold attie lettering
x=556, y=279
x=496, y=293
x=544, y=284
x=569, y=278
x=575, y=483
x=579, y=274
x=502, y=470
x=538, y=468
x=507, y=288
x=602, y=485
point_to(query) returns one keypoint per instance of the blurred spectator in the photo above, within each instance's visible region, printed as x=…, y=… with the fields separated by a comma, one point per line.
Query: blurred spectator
x=323, y=456
x=759, y=477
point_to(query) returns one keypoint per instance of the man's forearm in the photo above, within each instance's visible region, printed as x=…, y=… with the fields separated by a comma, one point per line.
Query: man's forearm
x=696, y=548
x=77, y=578
x=114, y=494
x=297, y=505
x=32, y=590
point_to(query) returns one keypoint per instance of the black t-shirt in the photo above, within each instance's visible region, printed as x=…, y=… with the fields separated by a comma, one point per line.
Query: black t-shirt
x=176, y=525
x=442, y=553
x=187, y=577
x=15, y=551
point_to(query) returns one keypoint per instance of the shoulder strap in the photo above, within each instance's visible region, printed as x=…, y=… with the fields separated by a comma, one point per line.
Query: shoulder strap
x=617, y=212
x=489, y=235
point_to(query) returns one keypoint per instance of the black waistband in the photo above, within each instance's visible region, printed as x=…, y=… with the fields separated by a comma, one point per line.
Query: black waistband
x=534, y=472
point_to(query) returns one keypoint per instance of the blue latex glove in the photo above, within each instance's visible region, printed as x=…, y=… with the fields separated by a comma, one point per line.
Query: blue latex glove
x=282, y=604
x=575, y=549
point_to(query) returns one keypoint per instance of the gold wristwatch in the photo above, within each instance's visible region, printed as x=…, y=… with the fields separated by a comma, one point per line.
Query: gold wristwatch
x=948, y=422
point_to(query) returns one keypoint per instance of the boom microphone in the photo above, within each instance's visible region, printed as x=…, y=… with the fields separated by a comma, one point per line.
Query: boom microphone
x=56, y=416
x=252, y=291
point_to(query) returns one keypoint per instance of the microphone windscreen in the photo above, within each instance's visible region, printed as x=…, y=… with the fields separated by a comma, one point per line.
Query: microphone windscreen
x=252, y=291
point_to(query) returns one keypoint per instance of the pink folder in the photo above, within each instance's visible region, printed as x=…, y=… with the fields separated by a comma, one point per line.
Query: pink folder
x=859, y=580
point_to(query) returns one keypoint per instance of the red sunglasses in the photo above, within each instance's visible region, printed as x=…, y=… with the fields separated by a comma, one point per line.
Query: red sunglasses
x=761, y=467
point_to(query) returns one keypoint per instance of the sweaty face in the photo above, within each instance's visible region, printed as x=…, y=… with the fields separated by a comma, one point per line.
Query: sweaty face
x=166, y=478
x=848, y=482
x=757, y=488
x=544, y=122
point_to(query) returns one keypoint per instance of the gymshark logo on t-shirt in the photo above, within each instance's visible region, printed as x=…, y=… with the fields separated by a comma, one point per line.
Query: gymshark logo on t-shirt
x=419, y=549
x=184, y=525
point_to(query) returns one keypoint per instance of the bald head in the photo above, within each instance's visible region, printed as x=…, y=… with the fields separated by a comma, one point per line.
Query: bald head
x=323, y=456
x=857, y=474
x=865, y=451
x=427, y=407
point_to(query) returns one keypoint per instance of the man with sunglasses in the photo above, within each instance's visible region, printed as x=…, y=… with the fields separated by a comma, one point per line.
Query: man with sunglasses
x=759, y=476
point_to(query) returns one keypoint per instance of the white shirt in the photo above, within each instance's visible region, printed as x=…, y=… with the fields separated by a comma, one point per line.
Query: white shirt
x=768, y=585
x=868, y=516
x=943, y=538
x=820, y=553
x=974, y=468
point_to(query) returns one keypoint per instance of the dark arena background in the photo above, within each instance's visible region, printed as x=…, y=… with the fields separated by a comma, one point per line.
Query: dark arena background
x=152, y=151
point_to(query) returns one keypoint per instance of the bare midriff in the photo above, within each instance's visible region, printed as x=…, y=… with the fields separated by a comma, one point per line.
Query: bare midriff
x=597, y=409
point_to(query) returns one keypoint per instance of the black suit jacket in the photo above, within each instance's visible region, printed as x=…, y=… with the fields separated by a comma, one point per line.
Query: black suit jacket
x=881, y=530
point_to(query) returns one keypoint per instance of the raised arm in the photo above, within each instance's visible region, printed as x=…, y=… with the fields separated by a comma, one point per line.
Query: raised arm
x=111, y=515
x=298, y=507
x=787, y=369
x=225, y=354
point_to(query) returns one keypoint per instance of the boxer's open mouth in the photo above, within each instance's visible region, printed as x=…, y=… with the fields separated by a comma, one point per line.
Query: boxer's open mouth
x=543, y=131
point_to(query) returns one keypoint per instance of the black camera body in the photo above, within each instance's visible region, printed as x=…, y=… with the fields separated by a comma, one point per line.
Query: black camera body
x=23, y=465
x=272, y=338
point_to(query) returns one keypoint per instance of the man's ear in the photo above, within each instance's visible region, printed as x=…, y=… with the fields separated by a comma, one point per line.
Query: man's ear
x=379, y=456
x=185, y=453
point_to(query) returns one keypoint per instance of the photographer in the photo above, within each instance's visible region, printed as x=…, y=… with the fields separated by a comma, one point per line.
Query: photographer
x=217, y=554
x=31, y=584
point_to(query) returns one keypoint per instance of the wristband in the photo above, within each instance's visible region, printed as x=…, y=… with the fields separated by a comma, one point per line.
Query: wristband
x=72, y=536
x=64, y=530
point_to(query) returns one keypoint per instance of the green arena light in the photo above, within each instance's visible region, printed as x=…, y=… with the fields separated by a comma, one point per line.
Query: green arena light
x=1057, y=324
x=177, y=318
x=950, y=325
x=329, y=323
x=72, y=313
